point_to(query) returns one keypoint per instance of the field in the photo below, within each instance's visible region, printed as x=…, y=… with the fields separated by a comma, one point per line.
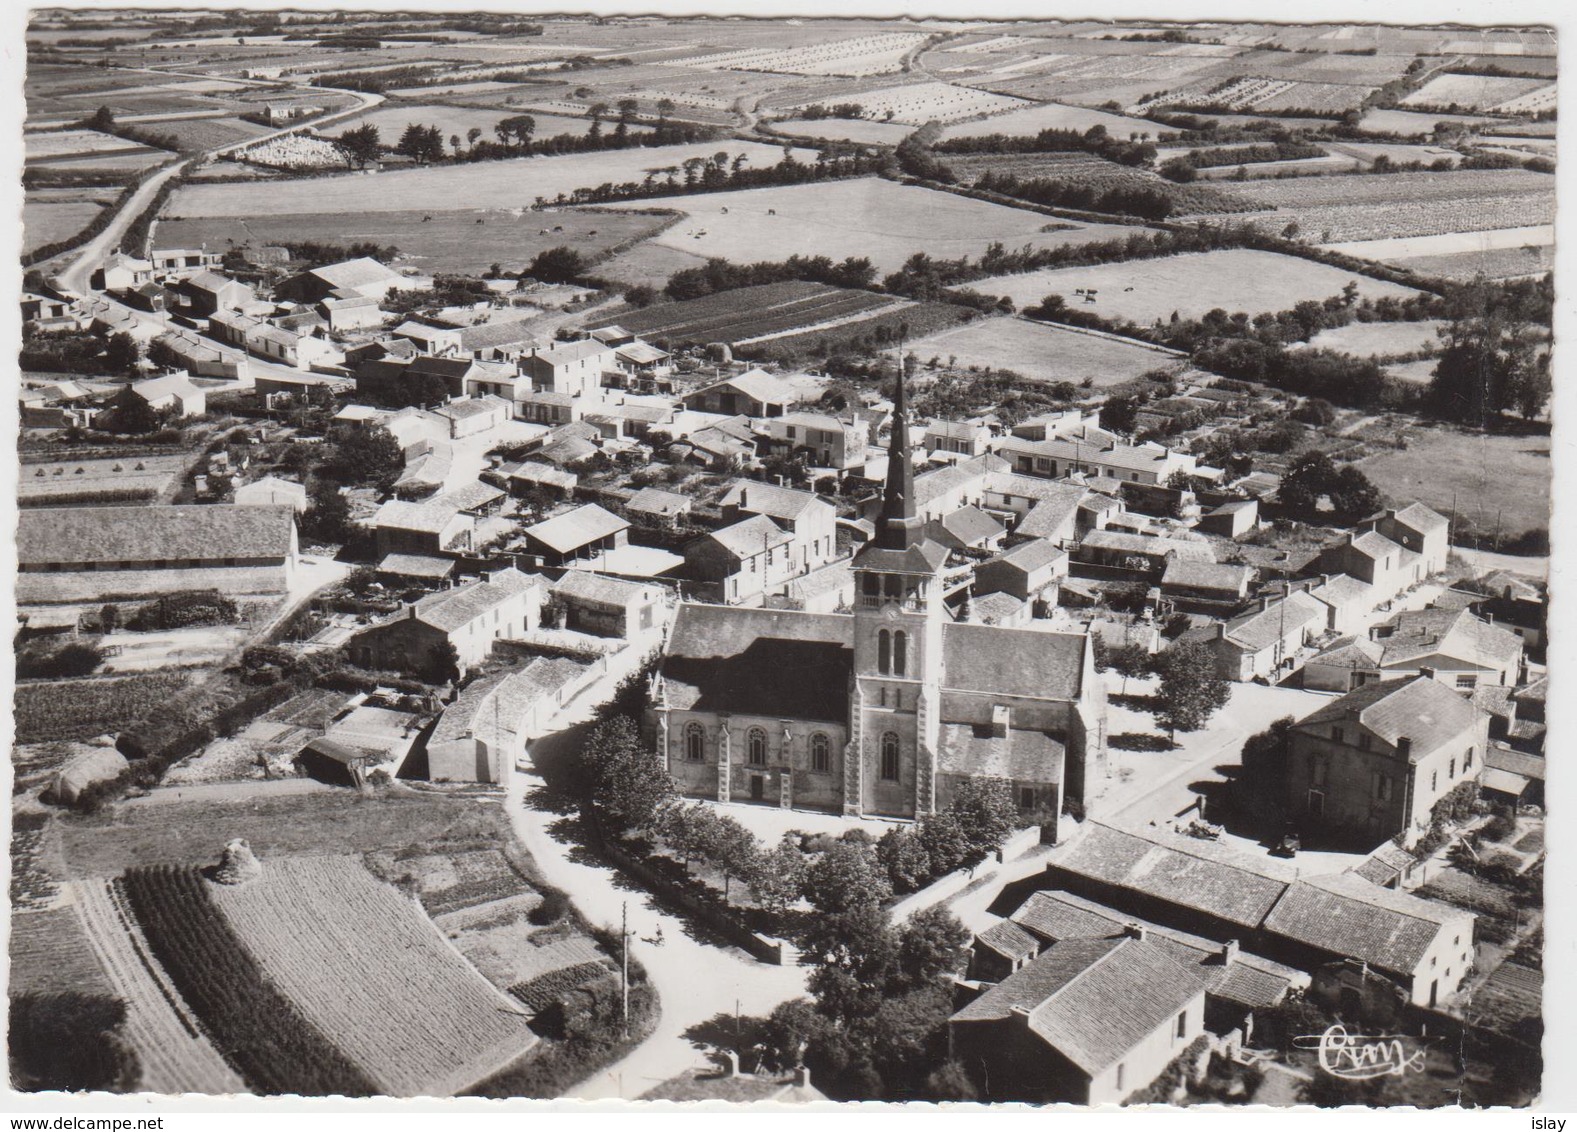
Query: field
x=206, y=133
x=45, y=221
x=865, y=216
x=80, y=709
x=1042, y=353
x=1481, y=92
x=1097, y=173
x=868, y=54
x=1479, y=475
x=1333, y=210
x=1450, y=243
x=1145, y=290
x=369, y=970
x=50, y=952
x=1379, y=339
x=392, y=118
x=1051, y=116
x=648, y=263
x=752, y=314
x=462, y=242
x=511, y=183
x=1265, y=95
x=1495, y=263
x=1411, y=123
x=72, y=143
x=845, y=129
x=919, y=103
x=113, y=165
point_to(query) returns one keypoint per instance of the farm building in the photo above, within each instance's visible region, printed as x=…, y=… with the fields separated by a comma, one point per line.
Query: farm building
x=499, y=341
x=1450, y=645
x=438, y=341
x=1059, y=457
x=430, y=527
x=535, y=476
x=1087, y=1021
x=583, y=533
x=48, y=311
x=607, y=607
x=1266, y=642
x=272, y=491
x=470, y=618
x=1232, y=519
x=828, y=441
x=416, y=569
x=1028, y=571
x=181, y=263
x=121, y=272
x=1211, y=583
x=1347, y=600
x=89, y=553
x=489, y=723
x=364, y=276
x=1393, y=550
x=208, y=292
x=754, y=393
x=809, y=519
x=350, y=312
x=1146, y=553
x=643, y=367
x=200, y=356
x=471, y=415
x=628, y=419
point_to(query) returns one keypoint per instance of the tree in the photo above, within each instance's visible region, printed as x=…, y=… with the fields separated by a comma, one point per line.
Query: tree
x=931, y=943
x=905, y=859
x=986, y=814
x=443, y=663
x=121, y=354
x=1190, y=691
x=1120, y=414
x=472, y=136
x=327, y=517
x=944, y=840
x=950, y=1082
x=777, y=877
x=413, y=142
x=103, y=120
x=687, y=830
x=665, y=107
x=732, y=850
x=1313, y=478
x=1129, y=660
x=846, y=877
x=365, y=455
x=109, y=619
x=557, y=265
x=624, y=781
x=1264, y=760
x=851, y=954
x=363, y=144
x=1490, y=366
x=521, y=127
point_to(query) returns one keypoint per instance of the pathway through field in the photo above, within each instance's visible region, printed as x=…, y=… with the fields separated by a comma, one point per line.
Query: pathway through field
x=176, y=1057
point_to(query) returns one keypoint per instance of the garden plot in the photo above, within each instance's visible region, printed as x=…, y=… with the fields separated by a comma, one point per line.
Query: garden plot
x=510, y=183
x=1379, y=339
x=1043, y=353
x=919, y=103
x=866, y=216
x=1494, y=93
x=1191, y=285
x=372, y=973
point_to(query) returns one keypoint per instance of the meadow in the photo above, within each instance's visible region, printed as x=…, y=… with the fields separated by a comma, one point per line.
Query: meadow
x=753, y=313
x=845, y=129
x=1487, y=479
x=45, y=221
x=1052, y=116
x=1234, y=279
x=511, y=183
x=866, y=216
x=1379, y=339
x=458, y=242
x=392, y=117
x=1042, y=353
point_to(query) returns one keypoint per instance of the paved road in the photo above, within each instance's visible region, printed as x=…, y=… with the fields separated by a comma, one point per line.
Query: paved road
x=695, y=980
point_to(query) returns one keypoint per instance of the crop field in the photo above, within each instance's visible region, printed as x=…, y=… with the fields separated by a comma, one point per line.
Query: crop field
x=465, y=243
x=1480, y=475
x=511, y=183
x=1410, y=123
x=1052, y=116
x=1144, y=290
x=1330, y=210
x=115, y=165
x=207, y=133
x=1379, y=339
x=919, y=103
x=50, y=952
x=865, y=216
x=868, y=54
x=1482, y=92
x=369, y=971
x=1098, y=173
x=1043, y=353
x=1449, y=243
x=79, y=709
x=1266, y=95
x=1492, y=263
x=750, y=313
x=72, y=143
x=44, y=222
x=1368, y=152
x=845, y=129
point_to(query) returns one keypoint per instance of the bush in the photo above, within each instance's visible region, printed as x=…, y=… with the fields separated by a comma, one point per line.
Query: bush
x=179, y=611
x=68, y=1041
x=553, y=908
x=76, y=658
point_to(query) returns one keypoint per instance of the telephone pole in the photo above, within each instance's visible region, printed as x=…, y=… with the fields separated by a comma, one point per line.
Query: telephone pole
x=624, y=964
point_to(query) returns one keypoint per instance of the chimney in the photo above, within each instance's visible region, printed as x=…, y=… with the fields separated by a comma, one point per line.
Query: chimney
x=1426, y=670
x=1404, y=747
x=1229, y=951
x=999, y=721
x=1264, y=602
x=412, y=609
x=1221, y=630
x=1136, y=931
x=730, y=1062
x=1020, y=1014
x=1325, y=580
x=743, y=497
x=801, y=1077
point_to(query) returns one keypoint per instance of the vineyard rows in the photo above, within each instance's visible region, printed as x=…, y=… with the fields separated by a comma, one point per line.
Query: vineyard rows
x=543, y=991
x=1480, y=92
x=1098, y=173
x=865, y=55
x=918, y=103
x=1345, y=223
x=369, y=970
x=172, y=1048
x=80, y=709
x=752, y=312
x=1252, y=93
x=1386, y=188
x=270, y=1040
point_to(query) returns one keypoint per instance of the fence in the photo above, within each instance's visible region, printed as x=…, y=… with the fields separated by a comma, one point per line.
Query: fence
x=945, y=888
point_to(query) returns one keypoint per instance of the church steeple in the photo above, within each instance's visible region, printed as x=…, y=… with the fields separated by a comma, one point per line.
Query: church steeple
x=899, y=526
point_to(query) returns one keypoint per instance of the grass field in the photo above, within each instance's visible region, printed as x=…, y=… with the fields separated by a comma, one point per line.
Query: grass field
x=649, y=263
x=866, y=216
x=371, y=972
x=1496, y=263
x=392, y=118
x=1482, y=476
x=206, y=133
x=512, y=183
x=845, y=129
x=44, y=222
x=1379, y=339
x=1144, y=290
x=1411, y=123
x=71, y=143
x=465, y=243
x=753, y=313
x=1041, y=352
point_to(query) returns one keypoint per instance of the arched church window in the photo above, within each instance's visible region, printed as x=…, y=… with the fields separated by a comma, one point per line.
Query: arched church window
x=884, y=652
x=890, y=756
x=900, y=652
x=756, y=746
x=694, y=742
x=820, y=753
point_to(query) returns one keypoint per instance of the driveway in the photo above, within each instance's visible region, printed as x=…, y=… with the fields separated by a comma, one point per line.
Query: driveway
x=694, y=980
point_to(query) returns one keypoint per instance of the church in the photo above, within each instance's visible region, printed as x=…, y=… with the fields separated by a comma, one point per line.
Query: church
x=883, y=711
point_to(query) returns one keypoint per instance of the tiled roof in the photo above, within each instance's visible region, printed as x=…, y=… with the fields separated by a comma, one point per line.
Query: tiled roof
x=352, y=273
x=1264, y=627
x=1207, y=575
x=1166, y=871
x=1032, y=555
x=640, y=353
x=572, y=352
x=1007, y=938
x=1421, y=709
x=1351, y=652
x=1146, y=544
x=1456, y=633
x=584, y=585
x=416, y=566
x=750, y=537
x=453, y=609
x=81, y=536
x=1372, y=544
x=473, y=407
x=970, y=525
x=486, y=335
x=1013, y=662
x=775, y=663
x=1342, y=589
x=1516, y=762
x=1048, y=518
x=535, y=472
x=770, y=499
x=429, y=517
x=1019, y=756
x=574, y=529
x=1421, y=518
x=758, y=385
x=656, y=501
x=1345, y=915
